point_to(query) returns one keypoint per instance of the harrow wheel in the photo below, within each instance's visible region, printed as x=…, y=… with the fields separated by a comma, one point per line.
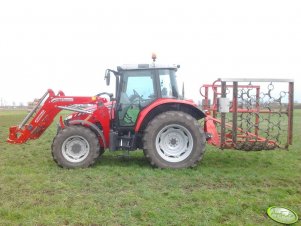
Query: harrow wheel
x=75, y=147
x=174, y=140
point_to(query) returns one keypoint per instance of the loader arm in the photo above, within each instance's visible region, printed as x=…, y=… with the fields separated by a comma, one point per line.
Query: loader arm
x=41, y=117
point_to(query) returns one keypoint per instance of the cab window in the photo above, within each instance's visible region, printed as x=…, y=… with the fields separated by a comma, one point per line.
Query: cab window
x=168, y=85
x=137, y=91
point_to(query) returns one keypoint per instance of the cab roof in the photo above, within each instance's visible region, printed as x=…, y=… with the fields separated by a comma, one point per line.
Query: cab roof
x=126, y=67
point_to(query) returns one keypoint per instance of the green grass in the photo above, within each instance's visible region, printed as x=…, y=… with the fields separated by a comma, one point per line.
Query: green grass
x=227, y=188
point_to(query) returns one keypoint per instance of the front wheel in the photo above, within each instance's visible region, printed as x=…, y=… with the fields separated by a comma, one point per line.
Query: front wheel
x=75, y=147
x=174, y=140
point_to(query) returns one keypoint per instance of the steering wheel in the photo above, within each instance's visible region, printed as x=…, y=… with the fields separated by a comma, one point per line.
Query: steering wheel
x=105, y=93
x=135, y=96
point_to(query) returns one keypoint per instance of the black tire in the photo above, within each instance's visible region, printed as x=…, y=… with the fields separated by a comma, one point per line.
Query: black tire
x=101, y=151
x=75, y=147
x=174, y=139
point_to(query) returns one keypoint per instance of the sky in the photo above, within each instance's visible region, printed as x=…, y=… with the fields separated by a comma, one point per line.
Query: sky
x=67, y=45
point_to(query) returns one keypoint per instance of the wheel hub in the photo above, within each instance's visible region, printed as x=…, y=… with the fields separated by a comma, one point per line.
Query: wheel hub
x=75, y=149
x=174, y=143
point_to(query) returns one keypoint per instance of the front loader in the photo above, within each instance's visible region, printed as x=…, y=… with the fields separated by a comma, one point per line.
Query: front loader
x=147, y=112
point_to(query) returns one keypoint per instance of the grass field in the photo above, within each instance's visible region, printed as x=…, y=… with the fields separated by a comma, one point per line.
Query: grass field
x=227, y=188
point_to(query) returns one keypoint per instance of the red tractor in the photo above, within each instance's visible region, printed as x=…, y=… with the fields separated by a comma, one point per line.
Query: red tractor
x=147, y=112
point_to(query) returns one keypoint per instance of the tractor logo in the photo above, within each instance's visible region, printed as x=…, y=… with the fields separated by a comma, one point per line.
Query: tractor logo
x=282, y=215
x=68, y=99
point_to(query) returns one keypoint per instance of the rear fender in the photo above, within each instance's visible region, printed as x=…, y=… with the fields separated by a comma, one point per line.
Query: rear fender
x=163, y=105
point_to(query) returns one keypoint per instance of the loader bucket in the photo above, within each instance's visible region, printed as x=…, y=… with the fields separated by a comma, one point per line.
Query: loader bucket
x=12, y=134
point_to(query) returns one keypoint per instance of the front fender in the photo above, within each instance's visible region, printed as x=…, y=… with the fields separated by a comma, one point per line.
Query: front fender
x=91, y=126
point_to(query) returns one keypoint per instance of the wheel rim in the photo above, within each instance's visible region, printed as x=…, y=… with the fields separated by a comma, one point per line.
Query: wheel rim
x=75, y=149
x=174, y=143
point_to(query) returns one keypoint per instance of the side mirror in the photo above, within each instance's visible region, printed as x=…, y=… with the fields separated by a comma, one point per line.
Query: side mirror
x=107, y=77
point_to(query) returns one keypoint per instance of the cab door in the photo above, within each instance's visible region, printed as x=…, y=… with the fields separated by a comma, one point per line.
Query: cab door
x=137, y=90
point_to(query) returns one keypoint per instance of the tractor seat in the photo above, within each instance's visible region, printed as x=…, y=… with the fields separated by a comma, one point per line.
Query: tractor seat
x=164, y=92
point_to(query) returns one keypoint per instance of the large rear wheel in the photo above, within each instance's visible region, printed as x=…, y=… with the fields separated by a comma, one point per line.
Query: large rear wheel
x=75, y=147
x=174, y=139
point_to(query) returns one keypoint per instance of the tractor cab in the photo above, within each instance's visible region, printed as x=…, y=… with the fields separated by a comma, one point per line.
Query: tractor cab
x=138, y=86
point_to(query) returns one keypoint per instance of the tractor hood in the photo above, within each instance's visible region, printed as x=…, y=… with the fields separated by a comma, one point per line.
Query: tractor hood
x=90, y=109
